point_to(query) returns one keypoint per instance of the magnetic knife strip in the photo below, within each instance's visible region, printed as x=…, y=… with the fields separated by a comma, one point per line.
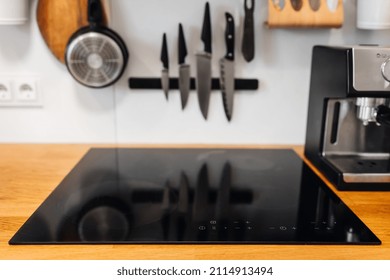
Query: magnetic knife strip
x=155, y=83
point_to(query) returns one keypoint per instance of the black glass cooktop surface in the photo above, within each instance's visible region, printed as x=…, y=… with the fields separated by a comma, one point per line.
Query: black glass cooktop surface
x=193, y=196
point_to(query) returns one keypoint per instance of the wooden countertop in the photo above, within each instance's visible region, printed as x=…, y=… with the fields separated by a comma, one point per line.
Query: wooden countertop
x=28, y=173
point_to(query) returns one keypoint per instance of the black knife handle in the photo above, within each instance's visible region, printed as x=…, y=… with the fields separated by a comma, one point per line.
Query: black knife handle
x=248, y=40
x=164, y=52
x=383, y=115
x=229, y=36
x=182, y=45
x=206, y=29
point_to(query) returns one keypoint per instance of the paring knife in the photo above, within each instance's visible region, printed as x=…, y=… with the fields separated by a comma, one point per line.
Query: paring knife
x=248, y=39
x=184, y=69
x=226, y=66
x=203, y=63
x=165, y=71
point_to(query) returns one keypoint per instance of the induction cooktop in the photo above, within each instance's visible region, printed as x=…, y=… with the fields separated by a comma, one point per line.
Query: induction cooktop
x=192, y=196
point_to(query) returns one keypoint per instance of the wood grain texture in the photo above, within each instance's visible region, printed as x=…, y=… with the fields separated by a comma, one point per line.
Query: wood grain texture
x=59, y=19
x=28, y=173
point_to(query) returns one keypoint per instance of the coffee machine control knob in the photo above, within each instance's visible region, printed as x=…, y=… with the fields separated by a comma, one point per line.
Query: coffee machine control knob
x=385, y=69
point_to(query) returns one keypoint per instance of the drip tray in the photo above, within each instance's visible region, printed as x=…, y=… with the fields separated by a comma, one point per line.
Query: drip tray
x=362, y=169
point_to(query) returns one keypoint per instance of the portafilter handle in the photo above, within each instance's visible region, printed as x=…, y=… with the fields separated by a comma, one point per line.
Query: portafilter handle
x=372, y=110
x=383, y=115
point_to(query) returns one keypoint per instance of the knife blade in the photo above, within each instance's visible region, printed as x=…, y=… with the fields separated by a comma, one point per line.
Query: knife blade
x=203, y=63
x=226, y=66
x=248, y=39
x=165, y=71
x=184, y=69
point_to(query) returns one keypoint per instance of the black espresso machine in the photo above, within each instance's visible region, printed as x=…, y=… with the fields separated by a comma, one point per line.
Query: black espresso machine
x=348, y=126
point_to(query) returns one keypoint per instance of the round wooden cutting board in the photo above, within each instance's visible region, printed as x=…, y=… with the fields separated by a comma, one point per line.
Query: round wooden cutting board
x=58, y=20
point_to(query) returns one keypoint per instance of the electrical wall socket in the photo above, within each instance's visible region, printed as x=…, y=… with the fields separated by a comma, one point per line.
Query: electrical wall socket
x=5, y=91
x=25, y=91
x=20, y=91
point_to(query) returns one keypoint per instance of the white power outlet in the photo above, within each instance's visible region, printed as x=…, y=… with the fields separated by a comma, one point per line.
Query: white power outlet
x=20, y=91
x=5, y=91
x=26, y=90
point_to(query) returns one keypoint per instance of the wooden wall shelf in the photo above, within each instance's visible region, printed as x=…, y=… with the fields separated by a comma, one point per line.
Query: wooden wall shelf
x=288, y=17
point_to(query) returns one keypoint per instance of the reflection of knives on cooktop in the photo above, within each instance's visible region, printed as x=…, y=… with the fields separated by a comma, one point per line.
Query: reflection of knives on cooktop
x=165, y=71
x=182, y=206
x=184, y=69
x=203, y=63
x=184, y=195
x=165, y=207
x=223, y=198
x=201, y=198
x=226, y=65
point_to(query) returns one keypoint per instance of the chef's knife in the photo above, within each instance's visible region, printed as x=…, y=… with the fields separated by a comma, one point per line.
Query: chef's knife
x=248, y=39
x=184, y=69
x=226, y=65
x=203, y=62
x=165, y=71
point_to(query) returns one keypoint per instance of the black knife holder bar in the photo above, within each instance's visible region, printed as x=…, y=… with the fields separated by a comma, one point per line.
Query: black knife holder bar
x=155, y=83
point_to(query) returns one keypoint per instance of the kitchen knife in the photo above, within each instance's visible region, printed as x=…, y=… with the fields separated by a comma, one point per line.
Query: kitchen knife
x=226, y=66
x=203, y=63
x=165, y=71
x=184, y=69
x=248, y=39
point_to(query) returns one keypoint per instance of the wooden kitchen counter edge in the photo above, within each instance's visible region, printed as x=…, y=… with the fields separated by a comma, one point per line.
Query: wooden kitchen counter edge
x=29, y=172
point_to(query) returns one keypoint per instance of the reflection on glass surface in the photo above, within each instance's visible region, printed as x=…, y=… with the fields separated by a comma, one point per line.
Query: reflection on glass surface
x=193, y=196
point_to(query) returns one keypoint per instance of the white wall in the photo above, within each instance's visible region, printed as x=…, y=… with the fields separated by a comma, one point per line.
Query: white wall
x=276, y=113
